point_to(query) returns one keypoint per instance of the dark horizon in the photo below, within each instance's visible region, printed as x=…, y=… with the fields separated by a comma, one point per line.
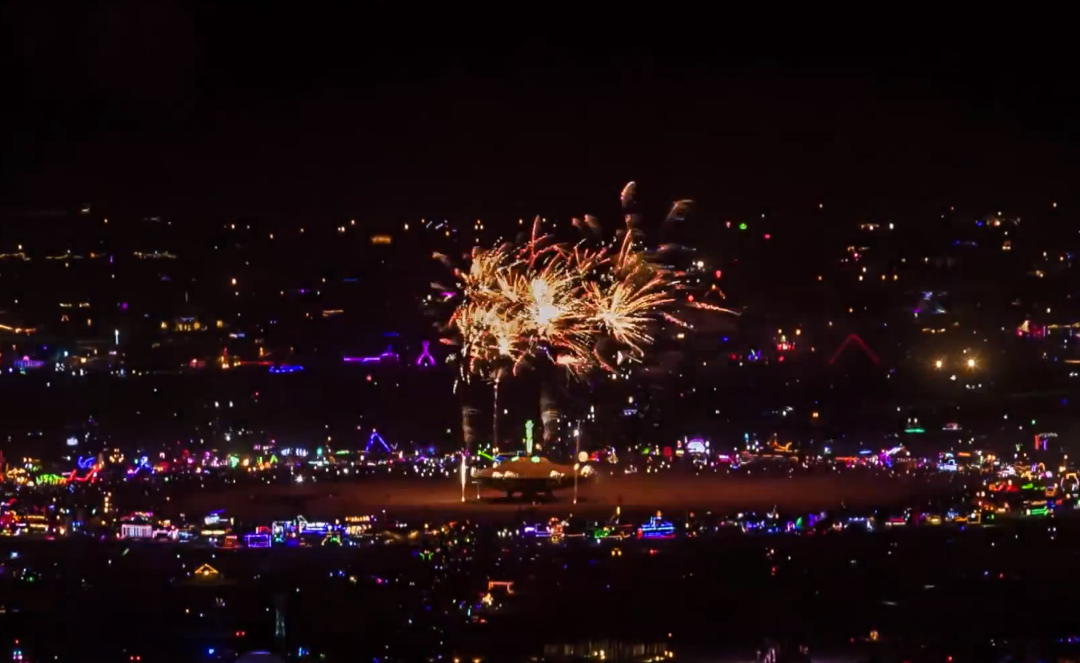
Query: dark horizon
x=225, y=113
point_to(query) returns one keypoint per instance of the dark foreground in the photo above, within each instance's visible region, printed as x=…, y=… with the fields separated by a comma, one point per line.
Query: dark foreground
x=924, y=594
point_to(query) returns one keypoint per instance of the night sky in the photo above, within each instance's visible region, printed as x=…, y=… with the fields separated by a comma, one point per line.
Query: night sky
x=210, y=113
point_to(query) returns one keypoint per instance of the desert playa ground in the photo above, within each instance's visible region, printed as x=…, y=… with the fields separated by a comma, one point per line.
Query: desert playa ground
x=635, y=492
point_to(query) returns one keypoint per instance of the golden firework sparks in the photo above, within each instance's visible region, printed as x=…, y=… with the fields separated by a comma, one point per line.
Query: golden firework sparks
x=552, y=301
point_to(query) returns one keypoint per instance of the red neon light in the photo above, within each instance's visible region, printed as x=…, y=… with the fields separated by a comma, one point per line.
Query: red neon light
x=866, y=350
x=89, y=476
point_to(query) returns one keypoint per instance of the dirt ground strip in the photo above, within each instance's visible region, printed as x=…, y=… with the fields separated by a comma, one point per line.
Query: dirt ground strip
x=635, y=492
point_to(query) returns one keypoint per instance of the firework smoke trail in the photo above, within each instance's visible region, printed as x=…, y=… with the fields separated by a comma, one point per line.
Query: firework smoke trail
x=712, y=307
x=678, y=211
x=626, y=198
x=495, y=409
x=549, y=413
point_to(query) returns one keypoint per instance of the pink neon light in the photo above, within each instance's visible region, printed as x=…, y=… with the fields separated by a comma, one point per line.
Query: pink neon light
x=866, y=350
x=425, y=358
x=387, y=355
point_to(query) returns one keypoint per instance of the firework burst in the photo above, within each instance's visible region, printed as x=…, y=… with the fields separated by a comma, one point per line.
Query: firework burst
x=548, y=301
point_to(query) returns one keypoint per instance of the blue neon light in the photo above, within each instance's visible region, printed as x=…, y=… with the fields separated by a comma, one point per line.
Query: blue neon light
x=285, y=368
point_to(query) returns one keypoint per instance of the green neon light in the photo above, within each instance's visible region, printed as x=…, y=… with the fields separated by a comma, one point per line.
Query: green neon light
x=742, y=226
x=485, y=455
x=914, y=430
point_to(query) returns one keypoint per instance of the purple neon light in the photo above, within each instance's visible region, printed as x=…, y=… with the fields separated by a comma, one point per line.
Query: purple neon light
x=387, y=355
x=425, y=358
x=375, y=437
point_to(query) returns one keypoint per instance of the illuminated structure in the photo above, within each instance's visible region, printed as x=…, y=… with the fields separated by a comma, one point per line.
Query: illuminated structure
x=697, y=446
x=359, y=525
x=28, y=364
x=530, y=476
x=304, y=526
x=136, y=531
x=281, y=530
x=656, y=528
x=257, y=540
